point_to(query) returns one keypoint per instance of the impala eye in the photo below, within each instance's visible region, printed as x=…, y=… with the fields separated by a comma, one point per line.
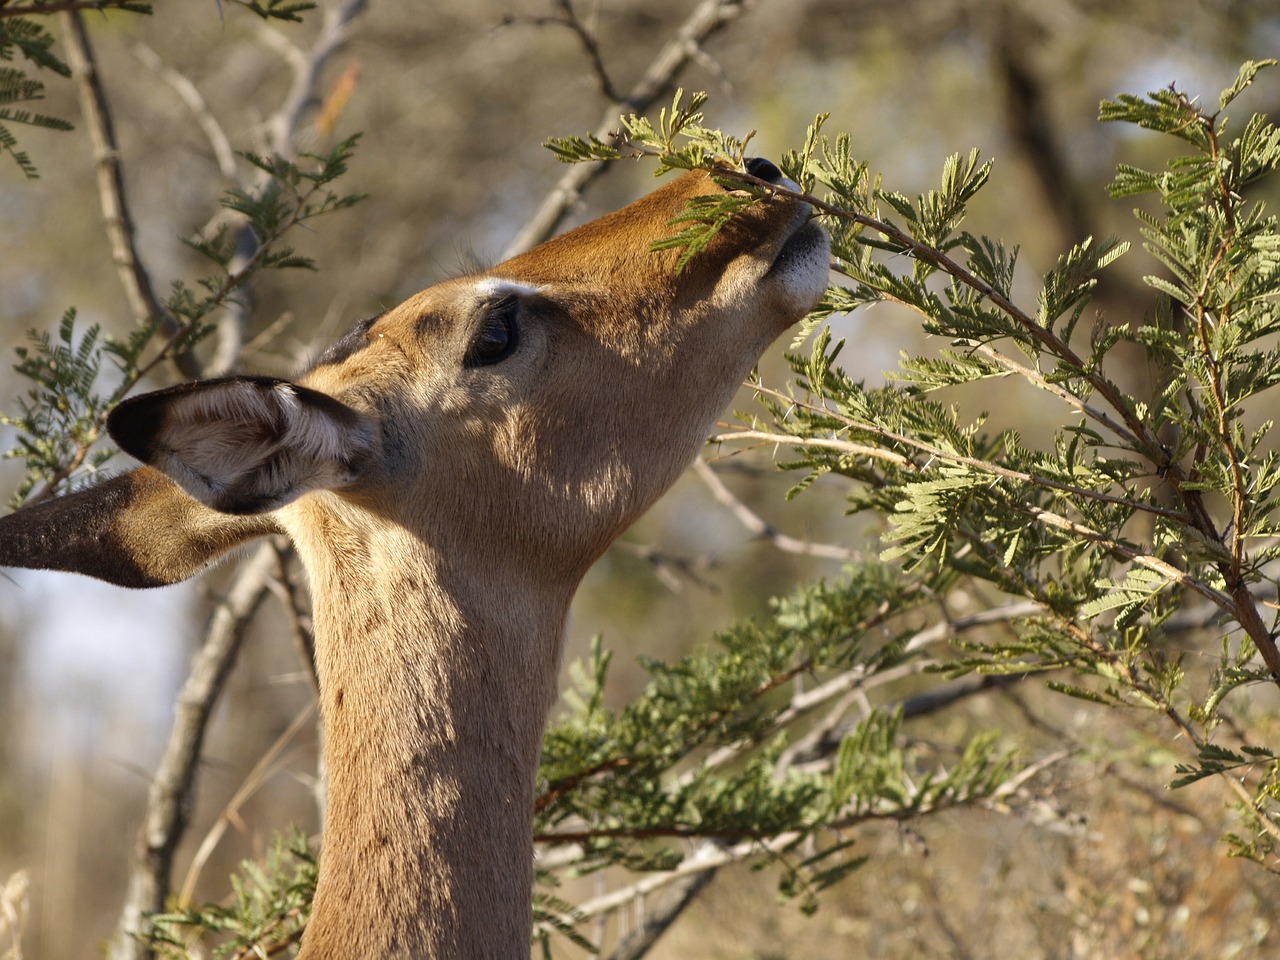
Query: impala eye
x=497, y=337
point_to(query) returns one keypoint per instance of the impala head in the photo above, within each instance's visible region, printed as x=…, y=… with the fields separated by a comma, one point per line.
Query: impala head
x=448, y=471
x=536, y=408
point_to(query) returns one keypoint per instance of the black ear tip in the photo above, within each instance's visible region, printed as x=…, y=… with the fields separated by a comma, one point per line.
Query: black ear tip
x=764, y=169
x=134, y=424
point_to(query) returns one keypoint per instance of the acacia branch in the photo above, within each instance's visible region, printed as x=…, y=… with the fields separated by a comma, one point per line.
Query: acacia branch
x=712, y=856
x=934, y=453
x=1135, y=431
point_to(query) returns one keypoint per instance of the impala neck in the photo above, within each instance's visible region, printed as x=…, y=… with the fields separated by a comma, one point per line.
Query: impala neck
x=434, y=691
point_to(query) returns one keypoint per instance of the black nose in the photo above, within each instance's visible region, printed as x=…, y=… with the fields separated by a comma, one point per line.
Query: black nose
x=762, y=168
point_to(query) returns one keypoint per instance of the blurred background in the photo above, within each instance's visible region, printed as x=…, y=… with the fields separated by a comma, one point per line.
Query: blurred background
x=454, y=99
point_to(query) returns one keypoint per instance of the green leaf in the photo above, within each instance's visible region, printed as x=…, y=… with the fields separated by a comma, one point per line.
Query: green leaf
x=1248, y=70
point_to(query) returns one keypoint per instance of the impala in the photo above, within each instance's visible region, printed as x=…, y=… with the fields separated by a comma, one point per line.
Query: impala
x=448, y=471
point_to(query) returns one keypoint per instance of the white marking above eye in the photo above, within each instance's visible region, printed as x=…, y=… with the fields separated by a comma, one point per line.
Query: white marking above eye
x=501, y=286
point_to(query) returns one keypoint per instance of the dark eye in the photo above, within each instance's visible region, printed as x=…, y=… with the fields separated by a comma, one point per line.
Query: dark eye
x=497, y=337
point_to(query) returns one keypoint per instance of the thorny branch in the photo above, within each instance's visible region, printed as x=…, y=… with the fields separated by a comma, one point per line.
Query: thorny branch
x=760, y=527
x=1133, y=430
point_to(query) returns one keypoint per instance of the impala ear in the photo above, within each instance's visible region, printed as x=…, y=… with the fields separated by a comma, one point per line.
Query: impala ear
x=245, y=445
x=135, y=530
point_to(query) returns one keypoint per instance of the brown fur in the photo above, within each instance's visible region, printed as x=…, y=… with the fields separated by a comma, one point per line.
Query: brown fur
x=443, y=570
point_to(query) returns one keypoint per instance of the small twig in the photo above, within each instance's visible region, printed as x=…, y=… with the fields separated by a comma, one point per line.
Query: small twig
x=670, y=568
x=1154, y=564
x=290, y=597
x=760, y=527
x=307, y=67
x=825, y=443
x=936, y=454
x=587, y=38
x=223, y=154
x=657, y=922
x=1036, y=378
x=592, y=46
x=253, y=782
x=708, y=856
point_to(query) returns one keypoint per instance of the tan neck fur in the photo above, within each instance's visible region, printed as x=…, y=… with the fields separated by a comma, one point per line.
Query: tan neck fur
x=434, y=688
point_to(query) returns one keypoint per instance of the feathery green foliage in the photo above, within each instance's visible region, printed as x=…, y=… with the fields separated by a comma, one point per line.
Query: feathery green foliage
x=698, y=755
x=270, y=907
x=1140, y=509
x=21, y=35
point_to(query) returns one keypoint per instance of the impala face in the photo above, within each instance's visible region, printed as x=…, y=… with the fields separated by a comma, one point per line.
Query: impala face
x=551, y=399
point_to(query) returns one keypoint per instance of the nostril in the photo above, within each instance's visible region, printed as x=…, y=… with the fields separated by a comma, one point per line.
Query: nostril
x=764, y=169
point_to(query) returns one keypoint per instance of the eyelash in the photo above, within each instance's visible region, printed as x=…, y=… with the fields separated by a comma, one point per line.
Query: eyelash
x=497, y=337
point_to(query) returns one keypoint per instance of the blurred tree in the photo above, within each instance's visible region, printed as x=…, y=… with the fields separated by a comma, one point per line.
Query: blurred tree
x=453, y=110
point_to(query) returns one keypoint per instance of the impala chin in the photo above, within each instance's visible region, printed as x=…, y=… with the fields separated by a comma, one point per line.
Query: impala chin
x=801, y=268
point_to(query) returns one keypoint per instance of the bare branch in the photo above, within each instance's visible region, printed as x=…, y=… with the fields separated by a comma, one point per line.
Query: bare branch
x=706, y=20
x=654, y=923
x=169, y=799
x=307, y=67
x=671, y=569
x=135, y=279
x=707, y=856
x=290, y=597
x=585, y=35
x=191, y=96
x=760, y=527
